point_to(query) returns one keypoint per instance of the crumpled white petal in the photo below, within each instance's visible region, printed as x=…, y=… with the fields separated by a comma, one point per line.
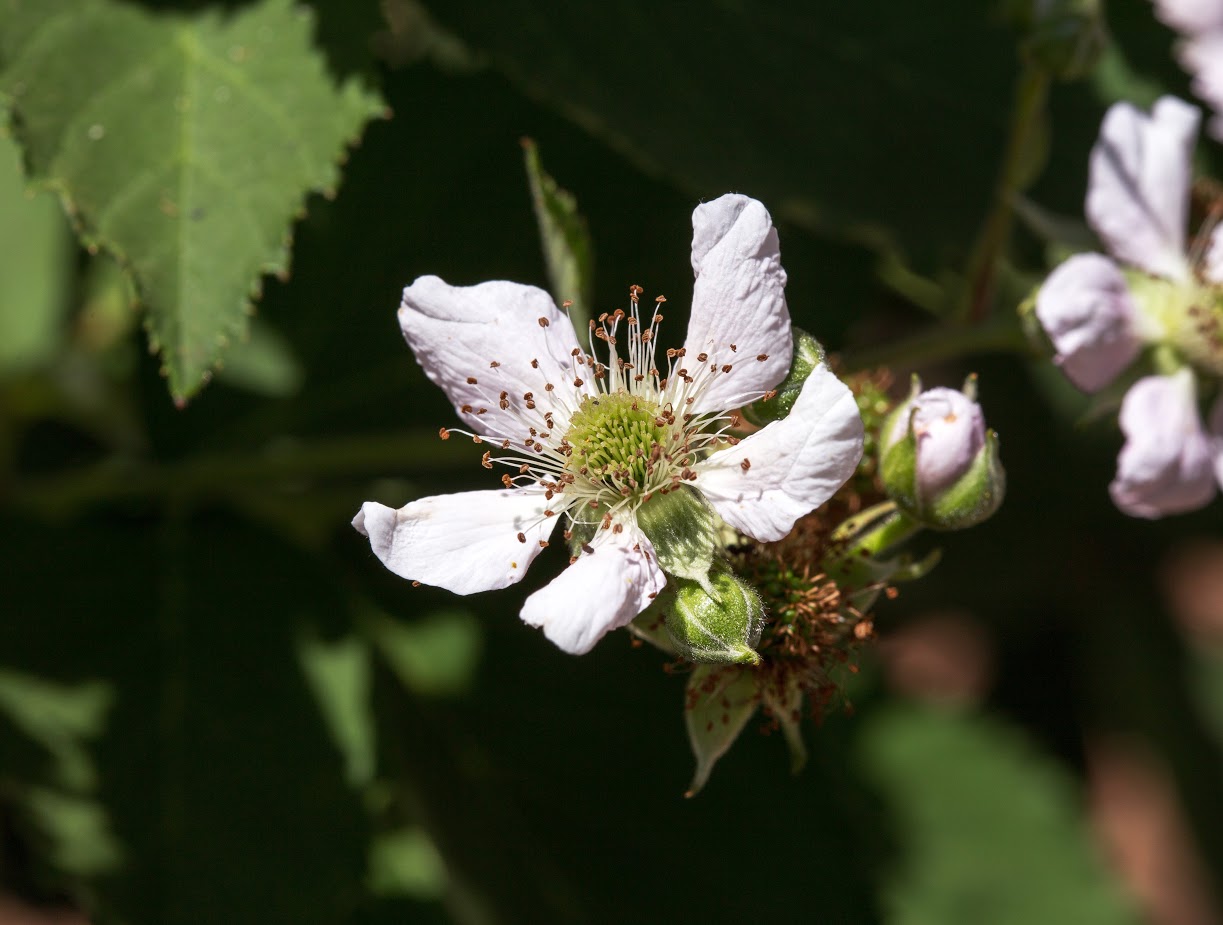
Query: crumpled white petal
x=1212, y=261
x=1167, y=464
x=464, y=542
x=1191, y=16
x=1086, y=309
x=739, y=298
x=602, y=591
x=794, y=465
x=1216, y=438
x=1202, y=56
x=458, y=332
x=950, y=431
x=1138, y=191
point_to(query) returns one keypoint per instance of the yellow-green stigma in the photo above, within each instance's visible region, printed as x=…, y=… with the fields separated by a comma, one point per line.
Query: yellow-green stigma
x=618, y=439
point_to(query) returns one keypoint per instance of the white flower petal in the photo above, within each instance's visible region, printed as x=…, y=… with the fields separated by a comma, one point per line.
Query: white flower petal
x=458, y=332
x=464, y=542
x=1138, y=192
x=1190, y=16
x=1212, y=267
x=1216, y=438
x=739, y=299
x=1202, y=56
x=602, y=591
x=950, y=431
x=1167, y=464
x=1086, y=309
x=795, y=464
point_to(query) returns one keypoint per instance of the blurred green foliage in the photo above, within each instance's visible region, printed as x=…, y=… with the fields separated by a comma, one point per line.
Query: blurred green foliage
x=216, y=706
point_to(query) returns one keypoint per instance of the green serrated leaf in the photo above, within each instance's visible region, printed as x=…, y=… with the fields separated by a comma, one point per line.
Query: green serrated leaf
x=718, y=703
x=566, y=239
x=184, y=145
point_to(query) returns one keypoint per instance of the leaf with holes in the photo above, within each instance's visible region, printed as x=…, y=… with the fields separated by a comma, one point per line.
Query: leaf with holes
x=184, y=145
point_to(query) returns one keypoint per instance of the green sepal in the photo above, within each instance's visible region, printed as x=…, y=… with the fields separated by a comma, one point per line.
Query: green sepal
x=718, y=621
x=783, y=698
x=976, y=496
x=683, y=530
x=650, y=625
x=718, y=703
x=808, y=354
x=898, y=469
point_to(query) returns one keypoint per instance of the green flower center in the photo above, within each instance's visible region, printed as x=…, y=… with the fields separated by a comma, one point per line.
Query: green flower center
x=1189, y=316
x=617, y=439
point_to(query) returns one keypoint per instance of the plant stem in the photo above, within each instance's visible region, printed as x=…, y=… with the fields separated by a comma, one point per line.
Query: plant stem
x=1002, y=333
x=1016, y=174
x=225, y=473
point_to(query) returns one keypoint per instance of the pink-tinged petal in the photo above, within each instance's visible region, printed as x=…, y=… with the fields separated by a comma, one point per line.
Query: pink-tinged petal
x=1138, y=192
x=1216, y=439
x=1190, y=16
x=1212, y=263
x=604, y=590
x=1086, y=309
x=740, y=300
x=950, y=431
x=459, y=332
x=792, y=466
x=1202, y=56
x=464, y=542
x=1167, y=463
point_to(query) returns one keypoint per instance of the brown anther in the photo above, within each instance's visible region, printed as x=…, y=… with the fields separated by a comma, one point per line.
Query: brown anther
x=543, y=544
x=505, y=444
x=504, y=404
x=746, y=464
x=415, y=584
x=485, y=461
x=606, y=521
x=522, y=537
x=733, y=348
x=660, y=299
x=530, y=406
x=726, y=368
x=672, y=353
x=476, y=439
x=506, y=480
x=493, y=365
x=658, y=319
x=645, y=336
x=567, y=303
x=702, y=357
x=548, y=386
x=443, y=433
x=480, y=411
x=539, y=448
x=762, y=357
x=682, y=373
x=471, y=380
x=467, y=409
x=543, y=322
x=524, y=468
x=771, y=393
x=733, y=441
x=573, y=559
x=618, y=528
x=578, y=383
x=535, y=364
x=586, y=549
x=567, y=534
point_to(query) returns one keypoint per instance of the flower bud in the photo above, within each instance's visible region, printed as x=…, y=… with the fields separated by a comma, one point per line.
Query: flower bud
x=718, y=620
x=939, y=464
x=808, y=354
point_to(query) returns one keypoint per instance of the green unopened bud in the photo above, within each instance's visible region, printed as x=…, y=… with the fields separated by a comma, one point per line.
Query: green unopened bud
x=939, y=464
x=808, y=354
x=718, y=620
x=683, y=530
